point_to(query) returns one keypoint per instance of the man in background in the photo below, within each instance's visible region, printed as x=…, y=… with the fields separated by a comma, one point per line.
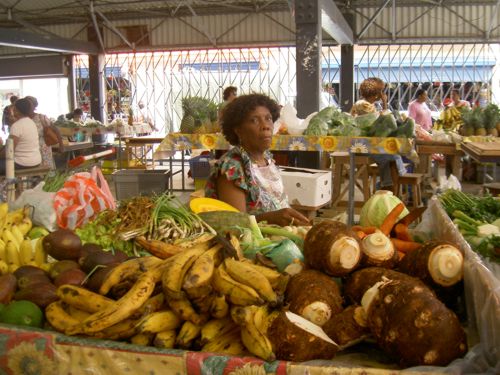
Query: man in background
x=8, y=113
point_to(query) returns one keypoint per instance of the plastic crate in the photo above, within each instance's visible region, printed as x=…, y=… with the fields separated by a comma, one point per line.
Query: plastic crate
x=200, y=166
x=133, y=182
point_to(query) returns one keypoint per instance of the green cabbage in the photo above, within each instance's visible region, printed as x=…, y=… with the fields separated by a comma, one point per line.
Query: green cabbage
x=375, y=209
x=383, y=126
x=319, y=123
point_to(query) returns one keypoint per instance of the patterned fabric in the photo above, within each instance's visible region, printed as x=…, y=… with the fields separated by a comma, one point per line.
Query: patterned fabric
x=216, y=141
x=263, y=186
x=45, y=151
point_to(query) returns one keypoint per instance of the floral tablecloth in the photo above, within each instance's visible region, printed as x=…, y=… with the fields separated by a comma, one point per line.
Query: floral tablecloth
x=216, y=141
x=38, y=352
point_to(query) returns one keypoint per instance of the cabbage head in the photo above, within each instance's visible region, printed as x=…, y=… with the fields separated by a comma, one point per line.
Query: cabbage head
x=375, y=209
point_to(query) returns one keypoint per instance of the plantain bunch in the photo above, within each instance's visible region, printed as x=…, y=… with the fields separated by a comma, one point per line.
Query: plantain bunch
x=195, y=298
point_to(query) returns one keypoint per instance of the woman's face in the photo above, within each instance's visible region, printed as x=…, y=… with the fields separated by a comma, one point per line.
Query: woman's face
x=256, y=131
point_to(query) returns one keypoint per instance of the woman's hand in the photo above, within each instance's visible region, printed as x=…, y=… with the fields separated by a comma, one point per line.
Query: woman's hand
x=284, y=217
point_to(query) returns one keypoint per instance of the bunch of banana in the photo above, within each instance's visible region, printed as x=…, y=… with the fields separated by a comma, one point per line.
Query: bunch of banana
x=254, y=322
x=16, y=249
x=450, y=119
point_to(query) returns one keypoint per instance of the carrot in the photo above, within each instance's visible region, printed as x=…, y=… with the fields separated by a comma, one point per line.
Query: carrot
x=391, y=219
x=405, y=246
x=366, y=230
x=412, y=216
x=401, y=255
x=361, y=234
x=401, y=232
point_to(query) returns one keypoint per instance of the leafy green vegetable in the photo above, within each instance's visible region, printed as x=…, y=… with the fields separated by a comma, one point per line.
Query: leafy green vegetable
x=319, y=123
x=484, y=209
x=406, y=129
x=55, y=180
x=375, y=209
x=383, y=126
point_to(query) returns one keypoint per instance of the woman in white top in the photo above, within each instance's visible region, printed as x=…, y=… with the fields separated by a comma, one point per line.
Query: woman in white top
x=24, y=133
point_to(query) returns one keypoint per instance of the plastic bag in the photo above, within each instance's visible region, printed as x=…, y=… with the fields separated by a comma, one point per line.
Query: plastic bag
x=83, y=196
x=449, y=183
x=42, y=203
x=294, y=125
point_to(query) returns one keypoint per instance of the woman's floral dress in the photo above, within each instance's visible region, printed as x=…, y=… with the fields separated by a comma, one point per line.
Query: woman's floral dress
x=263, y=186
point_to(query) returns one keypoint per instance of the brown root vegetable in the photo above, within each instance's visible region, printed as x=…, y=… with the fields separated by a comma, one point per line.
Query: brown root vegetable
x=436, y=263
x=360, y=281
x=314, y=296
x=333, y=248
x=411, y=324
x=296, y=339
x=379, y=251
x=348, y=327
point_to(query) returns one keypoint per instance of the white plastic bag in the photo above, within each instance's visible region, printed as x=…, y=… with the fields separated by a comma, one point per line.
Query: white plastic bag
x=294, y=125
x=43, y=206
x=449, y=183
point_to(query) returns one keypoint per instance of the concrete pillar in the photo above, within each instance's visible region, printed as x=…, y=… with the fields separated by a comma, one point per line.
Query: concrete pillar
x=96, y=81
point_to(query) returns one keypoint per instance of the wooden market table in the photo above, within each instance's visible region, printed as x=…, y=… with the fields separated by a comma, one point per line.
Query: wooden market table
x=70, y=148
x=138, y=148
x=450, y=150
x=355, y=146
x=484, y=153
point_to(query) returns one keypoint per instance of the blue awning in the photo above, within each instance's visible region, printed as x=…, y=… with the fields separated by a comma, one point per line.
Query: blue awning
x=111, y=71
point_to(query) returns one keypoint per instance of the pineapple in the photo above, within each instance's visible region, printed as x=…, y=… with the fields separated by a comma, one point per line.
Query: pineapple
x=188, y=125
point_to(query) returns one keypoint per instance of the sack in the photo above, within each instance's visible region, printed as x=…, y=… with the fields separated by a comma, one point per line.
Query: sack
x=82, y=197
x=42, y=203
x=51, y=136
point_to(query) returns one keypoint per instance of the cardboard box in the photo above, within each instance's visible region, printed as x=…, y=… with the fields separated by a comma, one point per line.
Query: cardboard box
x=307, y=187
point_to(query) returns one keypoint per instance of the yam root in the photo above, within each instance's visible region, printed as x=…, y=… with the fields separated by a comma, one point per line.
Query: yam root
x=360, y=281
x=314, y=296
x=296, y=339
x=379, y=251
x=436, y=263
x=348, y=327
x=333, y=248
x=412, y=325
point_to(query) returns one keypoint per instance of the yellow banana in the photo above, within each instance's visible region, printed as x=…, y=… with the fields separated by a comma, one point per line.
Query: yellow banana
x=184, y=309
x=252, y=335
x=58, y=318
x=197, y=280
x=151, y=305
x=127, y=269
x=215, y=328
x=4, y=209
x=177, y=268
x=4, y=267
x=83, y=299
x=25, y=225
x=165, y=339
x=40, y=254
x=238, y=293
x=16, y=232
x=142, y=339
x=244, y=273
x=121, y=330
x=229, y=343
x=8, y=236
x=78, y=314
x=15, y=217
x=12, y=254
x=274, y=277
x=203, y=304
x=219, y=307
x=159, y=321
x=25, y=252
x=2, y=251
x=125, y=306
x=187, y=334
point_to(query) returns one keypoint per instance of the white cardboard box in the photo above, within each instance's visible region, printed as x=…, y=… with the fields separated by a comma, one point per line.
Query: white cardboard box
x=307, y=187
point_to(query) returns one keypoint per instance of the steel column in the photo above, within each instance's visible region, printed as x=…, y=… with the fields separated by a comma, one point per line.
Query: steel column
x=69, y=62
x=346, y=95
x=96, y=81
x=308, y=43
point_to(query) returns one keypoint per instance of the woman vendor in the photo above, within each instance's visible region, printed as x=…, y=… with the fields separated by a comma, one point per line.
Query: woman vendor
x=372, y=93
x=246, y=176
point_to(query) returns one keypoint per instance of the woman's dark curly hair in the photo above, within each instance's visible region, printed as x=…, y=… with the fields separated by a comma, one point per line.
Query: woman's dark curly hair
x=371, y=87
x=236, y=112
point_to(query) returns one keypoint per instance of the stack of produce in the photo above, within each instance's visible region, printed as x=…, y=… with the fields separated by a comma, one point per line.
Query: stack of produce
x=199, y=116
x=468, y=122
x=450, y=119
x=477, y=218
x=332, y=121
x=204, y=293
